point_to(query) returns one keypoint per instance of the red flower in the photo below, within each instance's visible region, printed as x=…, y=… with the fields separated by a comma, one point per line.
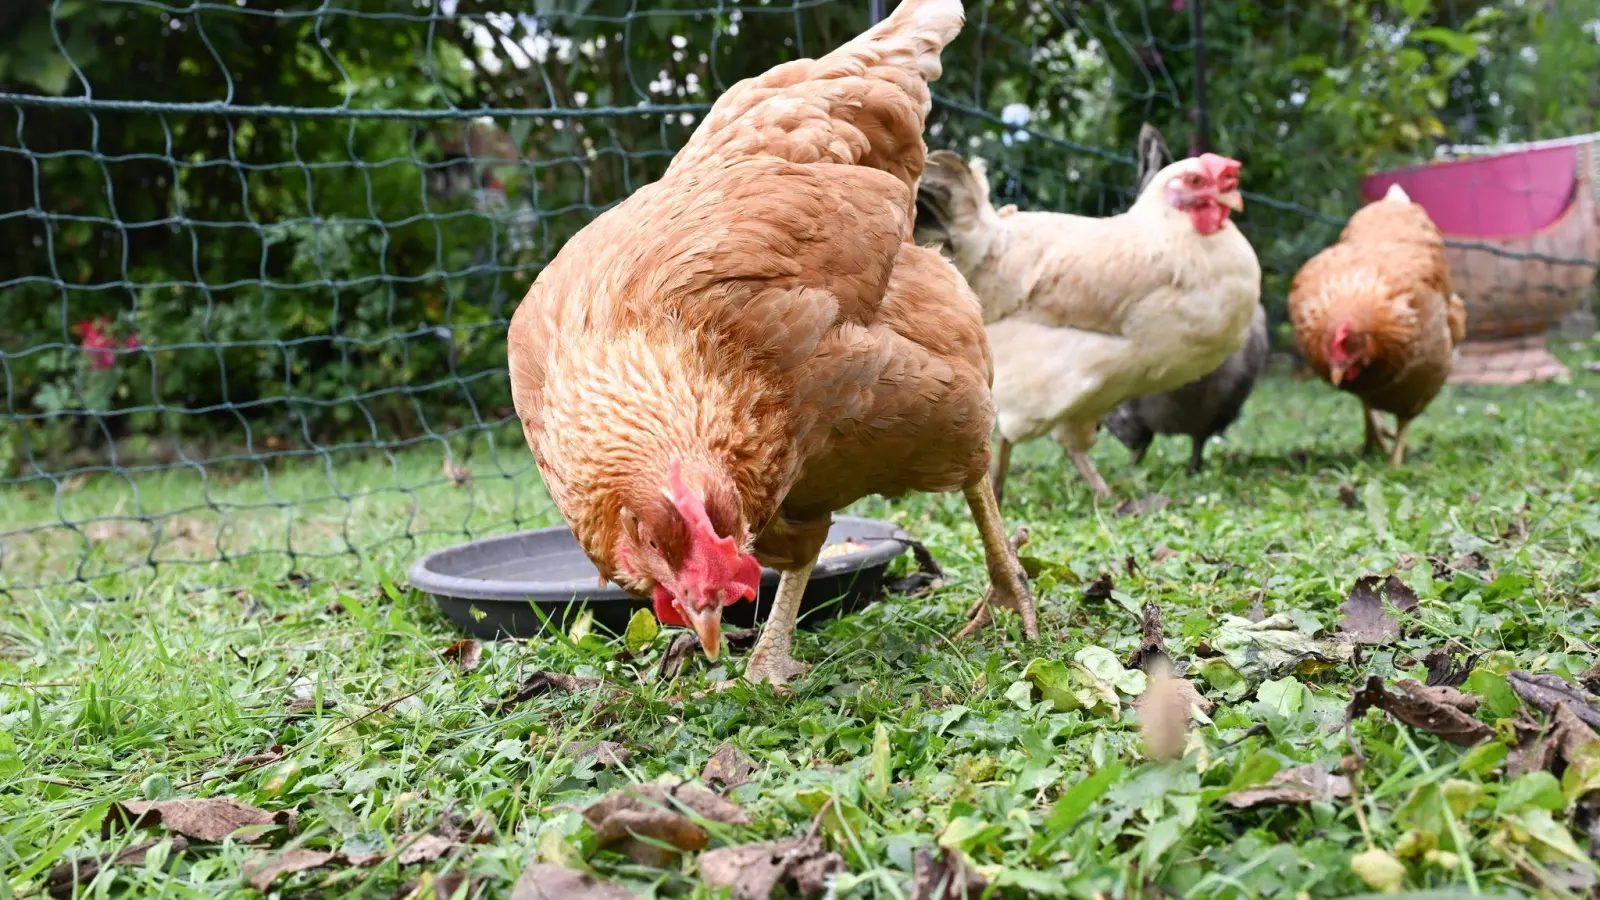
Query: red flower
x=99, y=345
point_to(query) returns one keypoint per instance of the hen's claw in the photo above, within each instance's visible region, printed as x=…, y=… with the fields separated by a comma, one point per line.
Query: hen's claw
x=774, y=669
x=1008, y=589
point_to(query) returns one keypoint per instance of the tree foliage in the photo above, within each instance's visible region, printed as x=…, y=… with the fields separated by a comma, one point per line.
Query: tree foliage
x=321, y=276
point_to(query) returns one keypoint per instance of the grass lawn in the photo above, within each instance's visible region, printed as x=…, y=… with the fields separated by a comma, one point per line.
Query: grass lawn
x=334, y=700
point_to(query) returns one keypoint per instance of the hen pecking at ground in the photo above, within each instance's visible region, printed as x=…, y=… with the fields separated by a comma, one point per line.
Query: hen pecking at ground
x=711, y=369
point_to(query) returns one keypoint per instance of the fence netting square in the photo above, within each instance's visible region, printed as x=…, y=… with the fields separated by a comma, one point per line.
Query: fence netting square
x=257, y=257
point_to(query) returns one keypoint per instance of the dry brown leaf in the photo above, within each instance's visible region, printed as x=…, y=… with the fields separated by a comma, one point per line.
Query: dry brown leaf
x=1559, y=741
x=1140, y=505
x=1101, y=588
x=1546, y=691
x=477, y=828
x=542, y=881
x=439, y=887
x=1152, y=650
x=1366, y=620
x=1444, y=671
x=1162, y=553
x=540, y=683
x=263, y=869
x=729, y=766
x=208, y=819
x=1443, y=711
x=653, y=811
x=1348, y=495
x=944, y=877
x=801, y=866
x=67, y=876
x=466, y=654
x=604, y=753
x=257, y=760
x=1301, y=784
x=1164, y=714
x=423, y=848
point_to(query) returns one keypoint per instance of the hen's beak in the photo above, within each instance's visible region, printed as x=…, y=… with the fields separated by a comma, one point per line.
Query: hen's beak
x=1232, y=200
x=707, y=623
x=1336, y=374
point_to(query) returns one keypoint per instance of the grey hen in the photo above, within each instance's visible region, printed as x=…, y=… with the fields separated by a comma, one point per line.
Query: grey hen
x=1200, y=409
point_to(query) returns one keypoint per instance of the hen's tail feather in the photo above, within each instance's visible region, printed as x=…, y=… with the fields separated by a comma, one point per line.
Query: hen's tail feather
x=912, y=36
x=866, y=103
x=951, y=199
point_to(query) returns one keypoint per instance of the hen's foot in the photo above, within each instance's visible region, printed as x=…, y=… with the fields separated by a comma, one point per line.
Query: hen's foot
x=775, y=668
x=1399, y=454
x=1008, y=589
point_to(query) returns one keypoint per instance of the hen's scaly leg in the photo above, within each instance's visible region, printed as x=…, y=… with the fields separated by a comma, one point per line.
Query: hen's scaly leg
x=1002, y=466
x=1374, y=433
x=1399, y=454
x=1077, y=440
x=1197, y=453
x=1008, y=583
x=771, y=661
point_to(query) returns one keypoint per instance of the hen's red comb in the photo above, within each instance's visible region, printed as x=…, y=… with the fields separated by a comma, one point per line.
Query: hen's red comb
x=712, y=562
x=1220, y=168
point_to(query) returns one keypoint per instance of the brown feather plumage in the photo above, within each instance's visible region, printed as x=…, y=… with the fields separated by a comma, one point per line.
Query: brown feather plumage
x=1387, y=278
x=759, y=314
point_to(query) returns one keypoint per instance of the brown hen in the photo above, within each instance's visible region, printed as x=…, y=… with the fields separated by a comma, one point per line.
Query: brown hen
x=709, y=370
x=1374, y=315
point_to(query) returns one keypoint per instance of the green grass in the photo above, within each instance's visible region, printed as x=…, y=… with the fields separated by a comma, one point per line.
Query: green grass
x=155, y=694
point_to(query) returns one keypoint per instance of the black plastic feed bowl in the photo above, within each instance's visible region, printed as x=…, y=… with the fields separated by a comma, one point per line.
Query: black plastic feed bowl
x=489, y=587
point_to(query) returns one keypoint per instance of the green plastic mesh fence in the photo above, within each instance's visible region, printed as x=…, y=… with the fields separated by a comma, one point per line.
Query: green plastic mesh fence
x=259, y=255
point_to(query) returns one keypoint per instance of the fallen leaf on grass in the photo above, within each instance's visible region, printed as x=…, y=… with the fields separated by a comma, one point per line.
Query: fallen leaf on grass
x=414, y=847
x=262, y=870
x=540, y=683
x=1562, y=740
x=1590, y=679
x=1091, y=682
x=1152, y=649
x=1348, y=495
x=1366, y=620
x=302, y=707
x=652, y=811
x=944, y=877
x=756, y=871
x=477, y=828
x=1545, y=691
x=66, y=876
x=1100, y=589
x=1138, y=506
x=464, y=653
x=1161, y=554
x=439, y=887
x=542, y=881
x=208, y=819
x=729, y=766
x=257, y=760
x=1273, y=647
x=679, y=651
x=1301, y=784
x=1444, y=671
x=604, y=753
x=1443, y=711
x=684, y=647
